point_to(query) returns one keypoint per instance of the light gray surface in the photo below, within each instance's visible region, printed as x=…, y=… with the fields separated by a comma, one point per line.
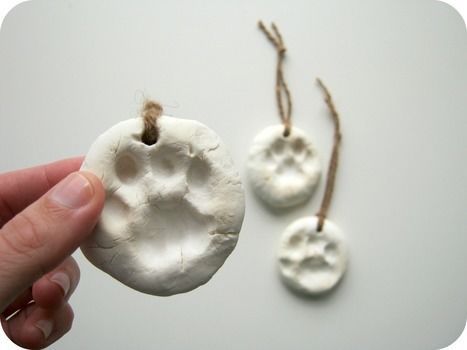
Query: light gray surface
x=70, y=69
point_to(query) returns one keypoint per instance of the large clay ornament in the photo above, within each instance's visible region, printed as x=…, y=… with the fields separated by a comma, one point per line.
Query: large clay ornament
x=283, y=170
x=312, y=261
x=173, y=209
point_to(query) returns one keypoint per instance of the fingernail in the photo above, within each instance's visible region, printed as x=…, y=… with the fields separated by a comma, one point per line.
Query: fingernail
x=73, y=192
x=62, y=280
x=46, y=327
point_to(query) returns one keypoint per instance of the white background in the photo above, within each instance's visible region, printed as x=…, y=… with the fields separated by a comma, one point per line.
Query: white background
x=70, y=69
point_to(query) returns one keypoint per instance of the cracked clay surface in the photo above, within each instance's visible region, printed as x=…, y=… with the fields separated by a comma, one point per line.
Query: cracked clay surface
x=173, y=210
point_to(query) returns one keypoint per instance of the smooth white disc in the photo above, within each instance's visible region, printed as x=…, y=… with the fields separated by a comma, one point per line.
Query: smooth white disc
x=173, y=210
x=283, y=170
x=312, y=262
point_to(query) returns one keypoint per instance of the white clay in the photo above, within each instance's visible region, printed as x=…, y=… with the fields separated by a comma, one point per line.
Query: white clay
x=283, y=170
x=173, y=210
x=312, y=262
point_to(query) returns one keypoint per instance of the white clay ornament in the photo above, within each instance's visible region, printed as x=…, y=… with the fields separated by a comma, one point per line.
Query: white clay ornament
x=313, y=254
x=283, y=166
x=173, y=209
x=283, y=170
x=310, y=261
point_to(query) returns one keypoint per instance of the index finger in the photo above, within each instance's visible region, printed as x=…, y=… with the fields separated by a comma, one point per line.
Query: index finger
x=20, y=188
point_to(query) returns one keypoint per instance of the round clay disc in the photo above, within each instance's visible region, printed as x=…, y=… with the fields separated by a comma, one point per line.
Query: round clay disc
x=312, y=262
x=173, y=210
x=283, y=170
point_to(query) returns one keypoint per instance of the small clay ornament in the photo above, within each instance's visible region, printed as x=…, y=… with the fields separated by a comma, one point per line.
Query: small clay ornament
x=313, y=253
x=283, y=170
x=173, y=208
x=312, y=261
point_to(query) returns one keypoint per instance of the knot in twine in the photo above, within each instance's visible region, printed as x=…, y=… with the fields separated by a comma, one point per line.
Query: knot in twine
x=150, y=113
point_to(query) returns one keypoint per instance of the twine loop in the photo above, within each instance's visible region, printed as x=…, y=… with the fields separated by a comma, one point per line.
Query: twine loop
x=282, y=90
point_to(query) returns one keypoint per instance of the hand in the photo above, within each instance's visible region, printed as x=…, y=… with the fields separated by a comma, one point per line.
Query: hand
x=45, y=213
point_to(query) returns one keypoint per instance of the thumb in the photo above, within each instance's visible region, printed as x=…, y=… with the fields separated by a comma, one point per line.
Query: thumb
x=45, y=233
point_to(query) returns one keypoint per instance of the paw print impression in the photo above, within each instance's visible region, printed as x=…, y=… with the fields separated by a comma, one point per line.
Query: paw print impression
x=283, y=171
x=166, y=227
x=312, y=262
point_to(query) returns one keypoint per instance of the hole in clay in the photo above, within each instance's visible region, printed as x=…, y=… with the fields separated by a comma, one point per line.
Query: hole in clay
x=150, y=137
x=198, y=173
x=126, y=168
x=150, y=113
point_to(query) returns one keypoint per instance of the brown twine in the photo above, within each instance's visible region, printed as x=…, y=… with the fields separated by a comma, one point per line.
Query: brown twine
x=282, y=90
x=151, y=111
x=332, y=169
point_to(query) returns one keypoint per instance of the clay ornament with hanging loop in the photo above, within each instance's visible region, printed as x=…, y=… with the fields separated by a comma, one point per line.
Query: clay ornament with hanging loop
x=283, y=166
x=313, y=252
x=174, y=203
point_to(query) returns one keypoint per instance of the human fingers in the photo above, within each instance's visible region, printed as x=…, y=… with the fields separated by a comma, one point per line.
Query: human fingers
x=39, y=238
x=20, y=302
x=37, y=328
x=51, y=290
x=20, y=188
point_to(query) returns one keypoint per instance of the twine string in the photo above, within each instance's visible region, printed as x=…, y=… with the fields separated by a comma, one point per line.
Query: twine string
x=282, y=89
x=150, y=113
x=334, y=161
